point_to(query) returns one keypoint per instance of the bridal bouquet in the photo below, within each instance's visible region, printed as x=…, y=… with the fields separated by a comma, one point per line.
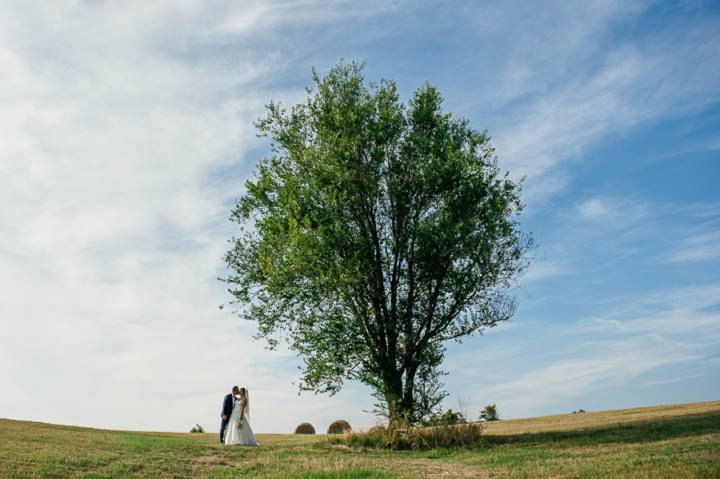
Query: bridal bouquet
x=238, y=423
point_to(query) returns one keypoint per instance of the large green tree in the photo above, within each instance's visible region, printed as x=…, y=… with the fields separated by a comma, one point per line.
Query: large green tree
x=374, y=233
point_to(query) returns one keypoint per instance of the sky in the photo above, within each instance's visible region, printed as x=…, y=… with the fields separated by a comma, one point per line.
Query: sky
x=126, y=136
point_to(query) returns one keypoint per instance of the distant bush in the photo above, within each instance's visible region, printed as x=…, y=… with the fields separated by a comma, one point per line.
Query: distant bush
x=339, y=427
x=305, y=428
x=448, y=418
x=197, y=428
x=579, y=411
x=415, y=438
x=490, y=413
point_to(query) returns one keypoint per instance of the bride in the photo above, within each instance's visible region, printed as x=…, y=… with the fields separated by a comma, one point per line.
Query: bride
x=239, y=431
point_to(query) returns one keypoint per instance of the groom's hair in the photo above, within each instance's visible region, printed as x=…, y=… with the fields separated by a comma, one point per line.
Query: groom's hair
x=236, y=389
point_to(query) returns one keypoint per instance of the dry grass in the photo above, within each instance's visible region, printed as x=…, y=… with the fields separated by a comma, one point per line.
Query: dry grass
x=416, y=438
x=590, y=420
x=659, y=442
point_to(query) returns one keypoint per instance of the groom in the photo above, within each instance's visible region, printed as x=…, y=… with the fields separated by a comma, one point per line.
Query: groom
x=227, y=408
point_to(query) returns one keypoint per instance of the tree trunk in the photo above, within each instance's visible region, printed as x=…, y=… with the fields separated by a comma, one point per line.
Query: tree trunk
x=397, y=413
x=408, y=401
x=400, y=401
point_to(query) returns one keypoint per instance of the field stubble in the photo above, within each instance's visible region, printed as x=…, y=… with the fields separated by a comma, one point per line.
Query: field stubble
x=674, y=441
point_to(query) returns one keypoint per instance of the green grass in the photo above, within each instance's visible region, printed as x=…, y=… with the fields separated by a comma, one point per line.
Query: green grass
x=661, y=442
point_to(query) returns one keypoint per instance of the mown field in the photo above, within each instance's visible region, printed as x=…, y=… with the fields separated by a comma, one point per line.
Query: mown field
x=675, y=441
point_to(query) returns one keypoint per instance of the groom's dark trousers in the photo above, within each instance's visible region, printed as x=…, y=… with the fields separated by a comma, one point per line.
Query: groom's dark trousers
x=226, y=411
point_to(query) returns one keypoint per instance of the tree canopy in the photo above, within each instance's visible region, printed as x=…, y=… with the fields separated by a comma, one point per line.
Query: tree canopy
x=372, y=234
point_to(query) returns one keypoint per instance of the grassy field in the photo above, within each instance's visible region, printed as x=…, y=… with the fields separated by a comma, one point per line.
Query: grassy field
x=656, y=442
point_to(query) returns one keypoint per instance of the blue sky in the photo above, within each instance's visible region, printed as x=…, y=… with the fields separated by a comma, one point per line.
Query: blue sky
x=127, y=136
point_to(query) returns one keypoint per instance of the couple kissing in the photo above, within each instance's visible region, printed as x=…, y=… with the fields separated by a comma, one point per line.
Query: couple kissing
x=235, y=425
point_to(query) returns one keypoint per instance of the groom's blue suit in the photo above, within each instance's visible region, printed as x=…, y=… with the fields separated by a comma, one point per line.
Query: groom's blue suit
x=227, y=408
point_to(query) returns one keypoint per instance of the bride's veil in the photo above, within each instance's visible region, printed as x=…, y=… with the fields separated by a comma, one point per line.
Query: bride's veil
x=247, y=404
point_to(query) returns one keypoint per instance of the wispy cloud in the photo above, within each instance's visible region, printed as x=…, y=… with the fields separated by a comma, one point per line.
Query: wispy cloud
x=542, y=269
x=637, y=336
x=564, y=380
x=613, y=210
x=689, y=310
x=262, y=16
x=127, y=133
x=697, y=248
x=117, y=137
x=635, y=81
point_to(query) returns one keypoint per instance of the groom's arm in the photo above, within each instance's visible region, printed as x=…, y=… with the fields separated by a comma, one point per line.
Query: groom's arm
x=227, y=402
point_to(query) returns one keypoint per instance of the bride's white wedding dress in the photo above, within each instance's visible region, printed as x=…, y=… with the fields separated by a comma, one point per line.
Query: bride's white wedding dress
x=239, y=432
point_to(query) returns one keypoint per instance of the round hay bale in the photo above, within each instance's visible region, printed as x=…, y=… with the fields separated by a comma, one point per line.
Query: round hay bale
x=339, y=427
x=377, y=430
x=305, y=428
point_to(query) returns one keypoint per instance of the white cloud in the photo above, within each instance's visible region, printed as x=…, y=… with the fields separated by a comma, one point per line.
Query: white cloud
x=116, y=137
x=596, y=208
x=636, y=336
x=542, y=269
x=563, y=380
x=668, y=314
x=615, y=210
x=575, y=105
x=602, y=233
x=126, y=135
x=703, y=247
x=261, y=15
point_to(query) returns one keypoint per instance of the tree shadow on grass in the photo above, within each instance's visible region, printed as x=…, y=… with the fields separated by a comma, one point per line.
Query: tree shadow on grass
x=633, y=432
